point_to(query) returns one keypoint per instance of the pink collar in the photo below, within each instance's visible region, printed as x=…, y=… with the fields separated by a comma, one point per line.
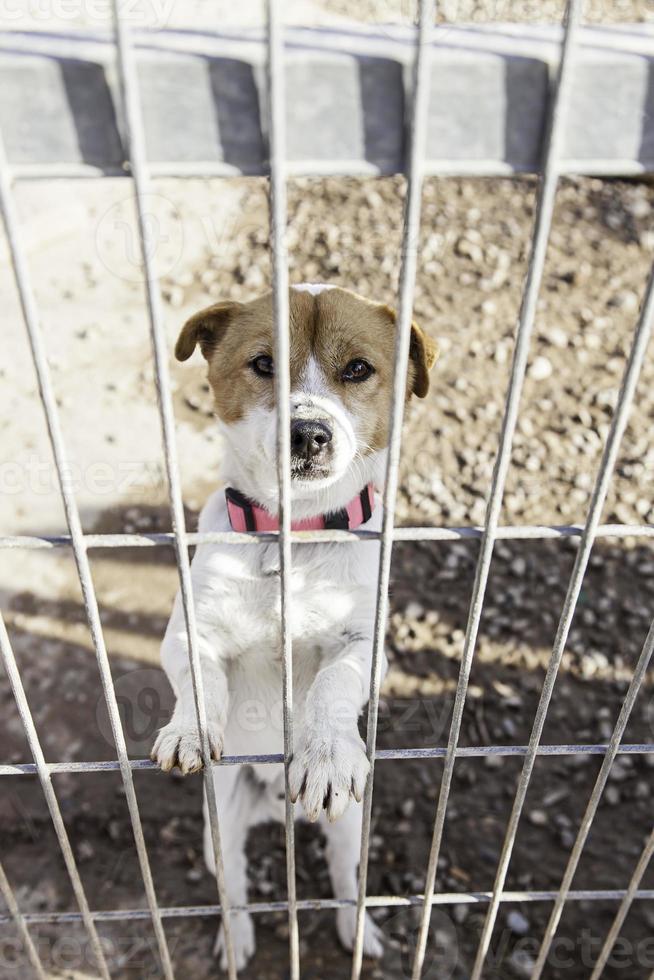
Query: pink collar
x=245, y=515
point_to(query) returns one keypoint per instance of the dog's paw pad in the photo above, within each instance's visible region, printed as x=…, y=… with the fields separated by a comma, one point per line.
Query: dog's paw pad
x=178, y=745
x=242, y=938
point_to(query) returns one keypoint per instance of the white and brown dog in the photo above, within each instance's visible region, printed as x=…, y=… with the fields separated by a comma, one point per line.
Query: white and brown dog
x=341, y=360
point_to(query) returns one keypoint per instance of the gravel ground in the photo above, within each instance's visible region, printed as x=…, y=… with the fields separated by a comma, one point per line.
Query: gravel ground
x=484, y=11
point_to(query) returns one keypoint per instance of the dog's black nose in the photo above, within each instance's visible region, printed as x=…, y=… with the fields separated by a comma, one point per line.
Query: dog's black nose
x=309, y=437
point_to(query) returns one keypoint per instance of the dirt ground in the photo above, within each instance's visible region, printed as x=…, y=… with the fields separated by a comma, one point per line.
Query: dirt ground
x=473, y=251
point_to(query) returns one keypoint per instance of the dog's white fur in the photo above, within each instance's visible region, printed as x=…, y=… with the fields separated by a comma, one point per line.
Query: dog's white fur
x=237, y=602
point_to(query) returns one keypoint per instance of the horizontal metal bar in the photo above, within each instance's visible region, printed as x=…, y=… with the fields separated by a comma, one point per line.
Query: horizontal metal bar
x=510, y=532
x=381, y=755
x=317, y=904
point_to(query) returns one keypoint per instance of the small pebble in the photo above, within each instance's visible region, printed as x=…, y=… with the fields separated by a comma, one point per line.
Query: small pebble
x=414, y=611
x=517, y=923
x=85, y=850
x=113, y=829
x=557, y=337
x=625, y=300
x=175, y=296
x=612, y=795
x=407, y=808
x=460, y=914
x=540, y=369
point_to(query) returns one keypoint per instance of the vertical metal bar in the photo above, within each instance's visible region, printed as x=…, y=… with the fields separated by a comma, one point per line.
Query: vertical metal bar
x=136, y=144
x=30, y=316
x=593, y=802
x=277, y=150
x=625, y=905
x=410, y=239
x=9, y=897
x=543, y=221
x=13, y=674
x=600, y=490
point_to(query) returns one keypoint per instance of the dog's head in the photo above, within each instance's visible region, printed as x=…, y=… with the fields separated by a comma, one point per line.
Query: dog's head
x=341, y=362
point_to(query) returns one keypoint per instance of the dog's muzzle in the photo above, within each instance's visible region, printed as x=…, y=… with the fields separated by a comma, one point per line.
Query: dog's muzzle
x=310, y=441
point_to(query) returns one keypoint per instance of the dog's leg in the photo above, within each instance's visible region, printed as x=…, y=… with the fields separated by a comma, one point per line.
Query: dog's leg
x=178, y=742
x=342, y=852
x=330, y=765
x=238, y=810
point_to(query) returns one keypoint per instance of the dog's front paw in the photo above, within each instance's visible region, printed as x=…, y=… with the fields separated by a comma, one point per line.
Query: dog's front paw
x=346, y=927
x=179, y=745
x=326, y=772
x=242, y=937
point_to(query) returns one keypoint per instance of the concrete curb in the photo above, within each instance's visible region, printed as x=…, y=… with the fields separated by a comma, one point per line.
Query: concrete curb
x=202, y=95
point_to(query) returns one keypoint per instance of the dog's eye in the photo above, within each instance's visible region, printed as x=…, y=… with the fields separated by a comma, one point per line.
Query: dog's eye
x=357, y=370
x=262, y=365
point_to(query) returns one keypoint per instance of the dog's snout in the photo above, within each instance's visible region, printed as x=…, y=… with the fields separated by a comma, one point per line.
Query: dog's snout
x=309, y=437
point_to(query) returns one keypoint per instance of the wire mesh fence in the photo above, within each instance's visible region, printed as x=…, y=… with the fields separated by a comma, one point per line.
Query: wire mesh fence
x=180, y=540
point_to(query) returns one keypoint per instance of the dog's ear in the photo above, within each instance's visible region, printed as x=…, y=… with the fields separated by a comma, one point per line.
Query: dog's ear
x=205, y=328
x=423, y=352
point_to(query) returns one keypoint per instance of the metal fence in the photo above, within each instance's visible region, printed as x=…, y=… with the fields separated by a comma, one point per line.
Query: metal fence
x=181, y=540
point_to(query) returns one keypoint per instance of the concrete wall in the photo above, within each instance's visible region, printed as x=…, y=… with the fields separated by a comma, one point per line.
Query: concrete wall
x=347, y=93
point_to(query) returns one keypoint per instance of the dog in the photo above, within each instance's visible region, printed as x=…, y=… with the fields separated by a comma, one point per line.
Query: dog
x=341, y=365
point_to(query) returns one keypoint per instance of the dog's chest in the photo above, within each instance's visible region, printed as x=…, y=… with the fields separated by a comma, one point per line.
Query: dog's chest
x=325, y=597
